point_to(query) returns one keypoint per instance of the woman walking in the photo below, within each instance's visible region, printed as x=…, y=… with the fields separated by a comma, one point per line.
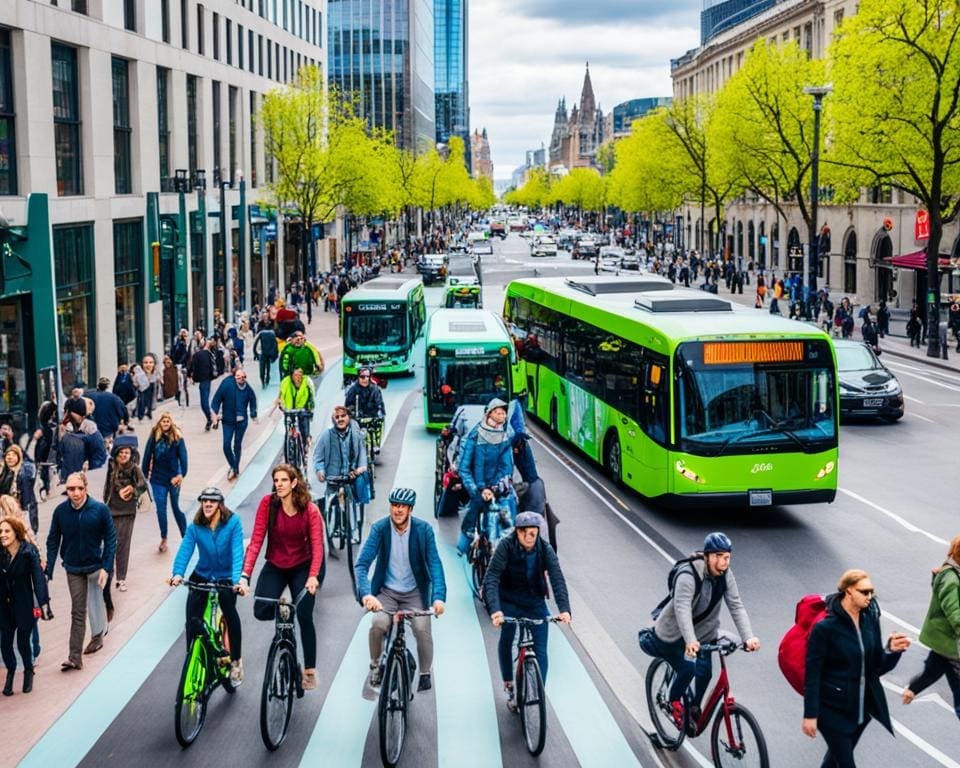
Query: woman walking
x=170, y=380
x=165, y=465
x=18, y=478
x=21, y=581
x=941, y=631
x=45, y=436
x=845, y=659
x=291, y=524
x=217, y=535
x=124, y=485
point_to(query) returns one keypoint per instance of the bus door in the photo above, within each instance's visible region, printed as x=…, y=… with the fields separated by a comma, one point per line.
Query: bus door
x=655, y=414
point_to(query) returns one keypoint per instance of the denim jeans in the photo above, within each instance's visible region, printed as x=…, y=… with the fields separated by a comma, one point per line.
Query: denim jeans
x=686, y=668
x=205, y=398
x=265, y=364
x=145, y=402
x=160, y=494
x=232, y=442
x=509, y=631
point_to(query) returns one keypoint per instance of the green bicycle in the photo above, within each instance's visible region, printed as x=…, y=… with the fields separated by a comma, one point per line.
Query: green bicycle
x=207, y=665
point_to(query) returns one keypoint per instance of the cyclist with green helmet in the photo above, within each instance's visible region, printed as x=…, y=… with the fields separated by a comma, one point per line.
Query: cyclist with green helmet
x=408, y=576
x=217, y=535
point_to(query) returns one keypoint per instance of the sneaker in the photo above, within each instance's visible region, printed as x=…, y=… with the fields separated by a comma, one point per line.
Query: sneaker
x=375, y=674
x=236, y=672
x=511, y=698
x=676, y=712
x=121, y=586
x=207, y=428
x=426, y=683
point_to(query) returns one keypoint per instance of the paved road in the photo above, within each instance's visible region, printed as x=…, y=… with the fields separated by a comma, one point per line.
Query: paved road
x=893, y=515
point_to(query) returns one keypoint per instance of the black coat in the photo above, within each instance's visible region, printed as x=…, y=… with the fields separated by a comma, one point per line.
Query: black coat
x=21, y=579
x=507, y=580
x=203, y=366
x=832, y=685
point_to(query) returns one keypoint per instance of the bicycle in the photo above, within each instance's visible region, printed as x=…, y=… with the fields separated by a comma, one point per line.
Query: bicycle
x=493, y=520
x=528, y=685
x=206, y=666
x=343, y=519
x=294, y=443
x=735, y=734
x=283, y=678
x=398, y=668
x=372, y=429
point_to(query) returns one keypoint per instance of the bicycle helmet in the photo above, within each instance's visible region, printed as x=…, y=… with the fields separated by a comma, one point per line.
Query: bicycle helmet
x=211, y=494
x=717, y=542
x=406, y=496
x=528, y=520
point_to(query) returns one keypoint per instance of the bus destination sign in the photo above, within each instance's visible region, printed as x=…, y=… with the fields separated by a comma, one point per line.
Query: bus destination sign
x=744, y=352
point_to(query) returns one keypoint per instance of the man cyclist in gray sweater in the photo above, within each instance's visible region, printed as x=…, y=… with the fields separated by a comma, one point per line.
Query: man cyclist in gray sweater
x=693, y=617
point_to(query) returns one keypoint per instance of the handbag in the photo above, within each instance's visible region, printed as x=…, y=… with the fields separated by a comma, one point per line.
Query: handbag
x=361, y=489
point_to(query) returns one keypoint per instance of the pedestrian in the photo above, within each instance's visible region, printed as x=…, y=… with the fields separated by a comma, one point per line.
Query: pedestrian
x=869, y=332
x=941, y=631
x=109, y=412
x=265, y=348
x=124, y=388
x=845, y=659
x=22, y=586
x=18, y=477
x=82, y=531
x=165, y=466
x=203, y=370
x=125, y=484
x=80, y=445
x=944, y=339
x=143, y=385
x=883, y=320
x=45, y=437
x=170, y=380
x=180, y=353
x=239, y=401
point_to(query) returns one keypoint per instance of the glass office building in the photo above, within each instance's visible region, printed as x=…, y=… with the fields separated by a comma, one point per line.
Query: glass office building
x=450, y=68
x=382, y=51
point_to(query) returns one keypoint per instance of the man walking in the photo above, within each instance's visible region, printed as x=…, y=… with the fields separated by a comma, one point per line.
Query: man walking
x=265, y=348
x=81, y=529
x=238, y=402
x=203, y=370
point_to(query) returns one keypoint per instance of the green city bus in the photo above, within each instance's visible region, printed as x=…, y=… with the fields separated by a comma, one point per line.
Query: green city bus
x=462, y=293
x=469, y=359
x=679, y=394
x=380, y=322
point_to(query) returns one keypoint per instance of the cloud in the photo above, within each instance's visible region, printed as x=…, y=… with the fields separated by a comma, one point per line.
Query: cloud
x=521, y=65
x=610, y=11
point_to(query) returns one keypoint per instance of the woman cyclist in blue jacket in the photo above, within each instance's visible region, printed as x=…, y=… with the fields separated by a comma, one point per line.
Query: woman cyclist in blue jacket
x=217, y=534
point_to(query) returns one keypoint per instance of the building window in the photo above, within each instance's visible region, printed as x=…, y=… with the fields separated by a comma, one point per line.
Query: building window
x=130, y=15
x=229, y=30
x=216, y=36
x=66, y=120
x=285, y=15
x=269, y=59
x=165, y=20
x=850, y=264
x=163, y=127
x=217, y=176
x=260, y=54
x=286, y=77
x=192, y=137
x=123, y=184
x=8, y=144
x=250, y=51
x=240, y=46
x=128, y=282
x=232, y=134
x=184, y=29
x=253, y=139
x=73, y=273
x=78, y=6
x=200, y=29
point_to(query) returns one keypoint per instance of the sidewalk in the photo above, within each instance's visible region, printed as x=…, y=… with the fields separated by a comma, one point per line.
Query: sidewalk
x=30, y=715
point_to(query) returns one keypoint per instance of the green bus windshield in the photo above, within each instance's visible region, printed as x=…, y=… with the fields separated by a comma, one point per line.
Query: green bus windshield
x=381, y=331
x=453, y=381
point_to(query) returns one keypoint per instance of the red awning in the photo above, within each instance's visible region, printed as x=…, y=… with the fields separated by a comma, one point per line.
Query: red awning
x=918, y=260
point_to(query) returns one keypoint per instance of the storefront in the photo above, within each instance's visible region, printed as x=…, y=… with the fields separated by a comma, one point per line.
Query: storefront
x=128, y=281
x=73, y=266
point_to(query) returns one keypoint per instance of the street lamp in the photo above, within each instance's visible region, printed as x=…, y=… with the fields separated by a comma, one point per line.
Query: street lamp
x=813, y=250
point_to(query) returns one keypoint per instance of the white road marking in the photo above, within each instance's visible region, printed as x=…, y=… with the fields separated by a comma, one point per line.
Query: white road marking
x=904, y=372
x=946, y=405
x=932, y=698
x=913, y=400
x=895, y=517
x=922, y=418
x=924, y=745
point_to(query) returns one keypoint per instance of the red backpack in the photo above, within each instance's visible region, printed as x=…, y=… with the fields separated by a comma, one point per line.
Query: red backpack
x=792, y=656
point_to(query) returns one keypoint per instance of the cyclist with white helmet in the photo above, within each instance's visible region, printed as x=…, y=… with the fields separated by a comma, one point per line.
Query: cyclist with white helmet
x=408, y=577
x=692, y=616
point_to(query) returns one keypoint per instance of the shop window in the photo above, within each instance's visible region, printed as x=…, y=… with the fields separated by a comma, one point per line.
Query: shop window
x=128, y=281
x=73, y=272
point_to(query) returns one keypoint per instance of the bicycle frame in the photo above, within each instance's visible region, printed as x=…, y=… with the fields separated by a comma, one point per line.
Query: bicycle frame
x=210, y=623
x=720, y=693
x=341, y=486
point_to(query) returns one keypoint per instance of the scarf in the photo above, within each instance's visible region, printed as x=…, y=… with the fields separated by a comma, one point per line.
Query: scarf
x=490, y=435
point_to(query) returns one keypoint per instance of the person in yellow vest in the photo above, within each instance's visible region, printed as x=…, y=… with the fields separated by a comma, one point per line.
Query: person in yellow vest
x=297, y=393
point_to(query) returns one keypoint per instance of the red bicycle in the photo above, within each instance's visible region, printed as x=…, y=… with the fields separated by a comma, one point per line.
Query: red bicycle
x=735, y=739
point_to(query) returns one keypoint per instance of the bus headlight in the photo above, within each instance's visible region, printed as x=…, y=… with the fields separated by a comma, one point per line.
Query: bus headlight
x=688, y=473
x=826, y=470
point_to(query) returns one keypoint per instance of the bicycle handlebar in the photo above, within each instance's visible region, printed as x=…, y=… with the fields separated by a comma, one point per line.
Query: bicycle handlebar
x=203, y=586
x=724, y=646
x=410, y=615
x=295, y=411
x=282, y=599
x=531, y=622
x=339, y=479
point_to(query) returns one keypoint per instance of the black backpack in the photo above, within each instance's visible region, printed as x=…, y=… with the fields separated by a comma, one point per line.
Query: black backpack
x=675, y=569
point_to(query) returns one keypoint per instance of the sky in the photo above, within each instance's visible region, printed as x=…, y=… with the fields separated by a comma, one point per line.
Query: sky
x=527, y=54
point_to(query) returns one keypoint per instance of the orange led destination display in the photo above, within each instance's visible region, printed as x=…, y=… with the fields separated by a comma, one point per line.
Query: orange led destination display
x=733, y=352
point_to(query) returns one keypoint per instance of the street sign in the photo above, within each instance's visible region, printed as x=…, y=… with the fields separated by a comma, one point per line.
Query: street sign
x=921, y=226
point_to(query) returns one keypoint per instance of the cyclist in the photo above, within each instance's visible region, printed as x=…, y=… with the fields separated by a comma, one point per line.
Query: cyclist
x=340, y=450
x=297, y=393
x=291, y=524
x=692, y=616
x=217, y=534
x=515, y=586
x=364, y=399
x=408, y=576
x=300, y=353
x=486, y=462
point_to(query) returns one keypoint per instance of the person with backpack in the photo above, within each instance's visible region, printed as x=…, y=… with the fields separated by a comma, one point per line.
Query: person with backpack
x=845, y=660
x=690, y=615
x=941, y=631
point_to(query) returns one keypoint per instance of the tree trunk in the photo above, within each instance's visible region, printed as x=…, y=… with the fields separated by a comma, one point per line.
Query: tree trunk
x=933, y=280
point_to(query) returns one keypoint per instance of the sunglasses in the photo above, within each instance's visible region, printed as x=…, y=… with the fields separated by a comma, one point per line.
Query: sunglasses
x=363, y=377
x=867, y=592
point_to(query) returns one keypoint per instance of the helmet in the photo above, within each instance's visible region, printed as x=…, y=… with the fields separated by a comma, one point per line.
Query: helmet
x=528, y=520
x=211, y=493
x=406, y=496
x=717, y=542
x=493, y=404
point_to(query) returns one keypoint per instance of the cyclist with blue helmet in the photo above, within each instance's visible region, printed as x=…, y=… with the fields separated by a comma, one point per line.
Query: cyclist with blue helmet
x=692, y=616
x=408, y=577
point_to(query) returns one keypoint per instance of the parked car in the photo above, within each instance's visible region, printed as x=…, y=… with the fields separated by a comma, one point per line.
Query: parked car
x=498, y=229
x=867, y=387
x=543, y=245
x=433, y=267
x=586, y=248
x=566, y=238
x=481, y=248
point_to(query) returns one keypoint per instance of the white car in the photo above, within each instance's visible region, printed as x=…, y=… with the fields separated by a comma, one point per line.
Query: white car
x=481, y=248
x=544, y=245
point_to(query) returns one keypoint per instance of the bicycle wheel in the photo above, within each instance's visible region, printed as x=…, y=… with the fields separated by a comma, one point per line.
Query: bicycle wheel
x=532, y=705
x=276, y=699
x=353, y=576
x=223, y=669
x=335, y=524
x=659, y=679
x=737, y=739
x=393, y=711
x=191, y=708
x=479, y=562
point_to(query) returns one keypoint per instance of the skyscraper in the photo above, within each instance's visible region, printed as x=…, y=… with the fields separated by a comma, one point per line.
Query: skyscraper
x=450, y=68
x=382, y=52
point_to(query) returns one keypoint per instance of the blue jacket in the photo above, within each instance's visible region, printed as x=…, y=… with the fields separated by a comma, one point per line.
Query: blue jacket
x=233, y=400
x=221, y=551
x=163, y=460
x=77, y=447
x=109, y=411
x=85, y=538
x=482, y=465
x=424, y=560
x=338, y=453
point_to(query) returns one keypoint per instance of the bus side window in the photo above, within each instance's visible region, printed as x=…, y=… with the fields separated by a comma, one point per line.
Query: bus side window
x=653, y=401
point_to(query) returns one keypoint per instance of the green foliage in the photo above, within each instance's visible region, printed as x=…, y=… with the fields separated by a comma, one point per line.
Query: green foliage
x=583, y=188
x=535, y=191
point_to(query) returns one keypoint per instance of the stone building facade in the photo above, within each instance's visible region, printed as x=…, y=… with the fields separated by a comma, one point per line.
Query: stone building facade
x=577, y=135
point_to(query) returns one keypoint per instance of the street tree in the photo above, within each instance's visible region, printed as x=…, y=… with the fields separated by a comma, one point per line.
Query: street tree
x=534, y=193
x=583, y=188
x=895, y=112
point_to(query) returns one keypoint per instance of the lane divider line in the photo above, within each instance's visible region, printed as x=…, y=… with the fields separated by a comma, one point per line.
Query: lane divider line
x=895, y=517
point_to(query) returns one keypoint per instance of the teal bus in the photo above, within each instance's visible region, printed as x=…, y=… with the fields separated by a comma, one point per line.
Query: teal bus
x=679, y=394
x=469, y=359
x=380, y=322
x=463, y=293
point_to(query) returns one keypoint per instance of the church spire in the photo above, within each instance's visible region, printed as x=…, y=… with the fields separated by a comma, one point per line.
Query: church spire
x=587, y=101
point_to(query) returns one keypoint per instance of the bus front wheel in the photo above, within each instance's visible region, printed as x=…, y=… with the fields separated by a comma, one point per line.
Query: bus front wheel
x=613, y=458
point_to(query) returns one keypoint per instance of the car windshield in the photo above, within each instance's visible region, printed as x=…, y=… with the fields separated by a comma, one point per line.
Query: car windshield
x=856, y=357
x=381, y=331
